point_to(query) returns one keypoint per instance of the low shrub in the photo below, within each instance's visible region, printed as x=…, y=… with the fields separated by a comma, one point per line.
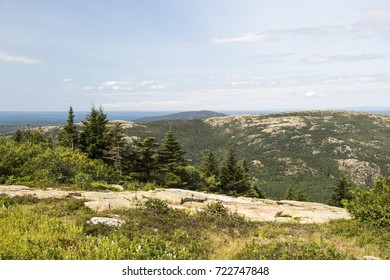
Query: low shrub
x=292, y=250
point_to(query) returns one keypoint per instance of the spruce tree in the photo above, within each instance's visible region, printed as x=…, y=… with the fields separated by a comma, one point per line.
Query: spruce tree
x=209, y=165
x=68, y=135
x=301, y=195
x=340, y=192
x=145, y=165
x=234, y=176
x=290, y=194
x=172, y=162
x=171, y=155
x=116, y=151
x=95, y=137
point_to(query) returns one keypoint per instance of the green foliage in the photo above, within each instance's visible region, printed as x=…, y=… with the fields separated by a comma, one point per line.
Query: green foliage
x=172, y=162
x=145, y=165
x=6, y=201
x=341, y=192
x=117, y=152
x=156, y=206
x=171, y=155
x=29, y=135
x=218, y=211
x=58, y=229
x=95, y=137
x=68, y=136
x=234, y=175
x=283, y=250
x=28, y=163
x=372, y=206
x=209, y=166
x=301, y=195
x=290, y=194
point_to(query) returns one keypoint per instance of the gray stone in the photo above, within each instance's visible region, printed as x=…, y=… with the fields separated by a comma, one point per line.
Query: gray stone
x=106, y=221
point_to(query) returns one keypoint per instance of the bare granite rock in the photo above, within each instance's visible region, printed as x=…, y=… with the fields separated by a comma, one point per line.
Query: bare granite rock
x=253, y=209
x=106, y=221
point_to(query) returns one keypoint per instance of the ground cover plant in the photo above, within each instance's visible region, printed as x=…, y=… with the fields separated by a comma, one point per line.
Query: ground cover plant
x=59, y=229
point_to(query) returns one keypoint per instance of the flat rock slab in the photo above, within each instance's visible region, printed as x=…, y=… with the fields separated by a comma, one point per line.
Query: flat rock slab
x=113, y=222
x=252, y=209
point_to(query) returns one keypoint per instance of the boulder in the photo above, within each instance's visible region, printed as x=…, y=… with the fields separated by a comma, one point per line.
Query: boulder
x=106, y=221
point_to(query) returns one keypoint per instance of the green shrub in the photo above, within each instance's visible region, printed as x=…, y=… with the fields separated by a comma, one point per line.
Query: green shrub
x=218, y=211
x=7, y=201
x=292, y=250
x=372, y=206
x=156, y=206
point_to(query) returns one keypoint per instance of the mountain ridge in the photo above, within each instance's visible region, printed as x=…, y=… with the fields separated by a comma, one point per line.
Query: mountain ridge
x=186, y=115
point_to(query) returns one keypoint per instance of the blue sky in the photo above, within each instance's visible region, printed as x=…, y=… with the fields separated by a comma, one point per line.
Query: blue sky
x=194, y=55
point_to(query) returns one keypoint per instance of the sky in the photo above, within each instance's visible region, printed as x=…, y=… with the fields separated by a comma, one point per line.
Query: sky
x=180, y=55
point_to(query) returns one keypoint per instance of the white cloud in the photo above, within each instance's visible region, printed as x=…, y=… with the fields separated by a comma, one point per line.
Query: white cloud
x=317, y=59
x=115, y=85
x=250, y=37
x=146, y=82
x=373, y=22
x=158, y=87
x=144, y=104
x=66, y=80
x=6, y=57
x=87, y=88
x=312, y=93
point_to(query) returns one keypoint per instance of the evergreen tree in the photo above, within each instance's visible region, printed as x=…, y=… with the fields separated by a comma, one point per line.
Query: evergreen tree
x=234, y=175
x=17, y=136
x=68, y=135
x=117, y=149
x=340, y=192
x=209, y=165
x=172, y=162
x=145, y=165
x=301, y=195
x=290, y=194
x=171, y=155
x=95, y=137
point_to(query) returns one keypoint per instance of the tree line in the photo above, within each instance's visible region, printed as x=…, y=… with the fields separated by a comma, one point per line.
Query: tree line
x=144, y=160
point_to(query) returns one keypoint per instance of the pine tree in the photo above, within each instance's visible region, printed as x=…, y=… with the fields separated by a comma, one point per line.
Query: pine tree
x=301, y=195
x=171, y=155
x=68, y=135
x=172, y=162
x=145, y=165
x=117, y=149
x=340, y=192
x=209, y=165
x=234, y=175
x=290, y=194
x=95, y=137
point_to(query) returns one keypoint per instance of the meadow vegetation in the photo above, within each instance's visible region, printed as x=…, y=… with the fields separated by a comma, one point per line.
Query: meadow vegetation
x=60, y=229
x=96, y=156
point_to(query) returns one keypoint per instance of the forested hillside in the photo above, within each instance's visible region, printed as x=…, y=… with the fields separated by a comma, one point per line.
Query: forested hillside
x=307, y=151
x=288, y=154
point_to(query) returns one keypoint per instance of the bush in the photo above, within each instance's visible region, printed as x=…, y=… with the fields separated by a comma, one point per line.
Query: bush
x=217, y=210
x=293, y=250
x=372, y=206
x=157, y=206
x=220, y=212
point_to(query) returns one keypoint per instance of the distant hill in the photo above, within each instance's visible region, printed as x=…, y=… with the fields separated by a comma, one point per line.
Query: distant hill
x=190, y=115
x=307, y=150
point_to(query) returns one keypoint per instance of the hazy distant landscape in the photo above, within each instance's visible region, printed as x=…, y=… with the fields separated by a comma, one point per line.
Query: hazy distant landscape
x=11, y=121
x=165, y=130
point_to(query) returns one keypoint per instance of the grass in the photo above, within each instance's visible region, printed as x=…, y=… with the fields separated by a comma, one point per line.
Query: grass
x=59, y=229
